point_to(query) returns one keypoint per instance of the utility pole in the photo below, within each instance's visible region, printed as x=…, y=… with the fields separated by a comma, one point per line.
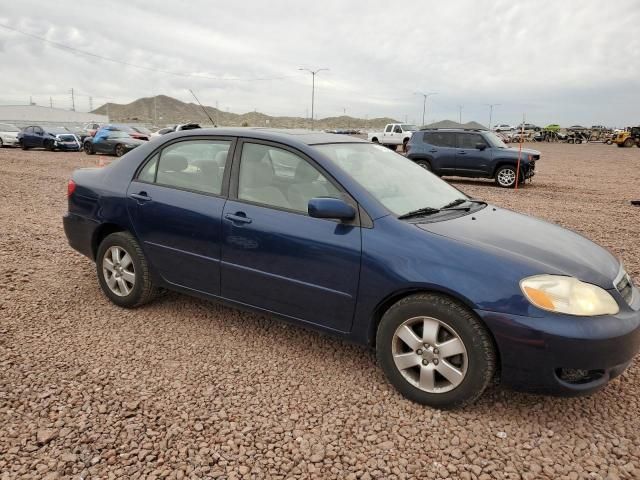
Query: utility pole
x=155, y=110
x=73, y=101
x=313, y=88
x=217, y=110
x=424, y=103
x=460, y=114
x=491, y=105
x=91, y=104
x=107, y=105
x=50, y=102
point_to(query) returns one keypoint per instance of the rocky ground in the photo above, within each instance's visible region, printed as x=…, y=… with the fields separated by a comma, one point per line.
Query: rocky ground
x=183, y=388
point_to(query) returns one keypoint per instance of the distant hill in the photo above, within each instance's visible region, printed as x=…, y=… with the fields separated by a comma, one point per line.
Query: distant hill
x=168, y=111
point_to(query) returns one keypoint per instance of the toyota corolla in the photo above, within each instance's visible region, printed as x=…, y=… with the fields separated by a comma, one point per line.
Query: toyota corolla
x=347, y=237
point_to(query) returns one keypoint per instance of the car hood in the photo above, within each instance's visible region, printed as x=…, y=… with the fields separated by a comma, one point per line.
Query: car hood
x=545, y=247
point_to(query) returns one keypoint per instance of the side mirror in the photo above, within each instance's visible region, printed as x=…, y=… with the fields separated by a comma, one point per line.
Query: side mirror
x=325, y=207
x=480, y=146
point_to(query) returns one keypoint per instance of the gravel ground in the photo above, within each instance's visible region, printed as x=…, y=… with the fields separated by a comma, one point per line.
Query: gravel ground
x=184, y=388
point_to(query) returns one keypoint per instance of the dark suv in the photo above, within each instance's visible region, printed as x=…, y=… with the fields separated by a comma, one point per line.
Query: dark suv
x=471, y=153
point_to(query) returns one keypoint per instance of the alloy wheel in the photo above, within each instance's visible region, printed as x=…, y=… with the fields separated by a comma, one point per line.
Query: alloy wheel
x=118, y=270
x=429, y=354
x=506, y=177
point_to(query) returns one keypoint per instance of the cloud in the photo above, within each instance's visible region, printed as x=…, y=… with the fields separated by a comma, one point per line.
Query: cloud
x=554, y=62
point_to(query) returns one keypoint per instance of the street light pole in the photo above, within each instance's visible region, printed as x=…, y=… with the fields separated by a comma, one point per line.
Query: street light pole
x=491, y=105
x=424, y=103
x=313, y=88
x=460, y=114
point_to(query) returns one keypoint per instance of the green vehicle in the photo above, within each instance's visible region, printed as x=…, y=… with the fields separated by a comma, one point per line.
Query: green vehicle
x=553, y=127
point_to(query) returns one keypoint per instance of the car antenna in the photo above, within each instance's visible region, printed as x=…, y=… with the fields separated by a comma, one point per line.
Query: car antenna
x=203, y=109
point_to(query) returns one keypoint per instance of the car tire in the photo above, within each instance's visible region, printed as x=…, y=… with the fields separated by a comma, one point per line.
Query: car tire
x=608, y=142
x=119, y=150
x=375, y=140
x=404, y=144
x=506, y=176
x=424, y=164
x=88, y=149
x=432, y=377
x=1, y=143
x=628, y=143
x=48, y=146
x=125, y=281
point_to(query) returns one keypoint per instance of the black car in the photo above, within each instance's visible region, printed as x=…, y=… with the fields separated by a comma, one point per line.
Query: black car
x=49, y=138
x=115, y=143
x=471, y=153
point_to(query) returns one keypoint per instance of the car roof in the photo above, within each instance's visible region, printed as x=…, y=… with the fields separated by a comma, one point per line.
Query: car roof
x=307, y=137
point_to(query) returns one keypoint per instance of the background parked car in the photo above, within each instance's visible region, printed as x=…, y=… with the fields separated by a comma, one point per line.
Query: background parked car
x=175, y=128
x=91, y=128
x=49, y=138
x=528, y=126
x=475, y=154
x=111, y=142
x=8, y=135
x=503, y=127
x=132, y=132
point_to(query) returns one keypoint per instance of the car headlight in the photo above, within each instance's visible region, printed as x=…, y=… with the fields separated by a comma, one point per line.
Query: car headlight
x=568, y=295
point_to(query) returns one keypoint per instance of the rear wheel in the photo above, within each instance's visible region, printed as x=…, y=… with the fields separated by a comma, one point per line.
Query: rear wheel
x=48, y=145
x=435, y=351
x=123, y=271
x=628, y=143
x=424, y=164
x=375, y=140
x=506, y=176
x=88, y=149
x=119, y=150
x=1, y=143
x=404, y=144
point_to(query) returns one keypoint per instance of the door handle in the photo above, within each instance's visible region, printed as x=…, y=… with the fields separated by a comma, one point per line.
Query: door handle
x=141, y=197
x=239, y=217
x=462, y=152
x=433, y=151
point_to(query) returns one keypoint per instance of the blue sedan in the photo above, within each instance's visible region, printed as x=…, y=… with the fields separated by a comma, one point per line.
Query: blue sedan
x=347, y=237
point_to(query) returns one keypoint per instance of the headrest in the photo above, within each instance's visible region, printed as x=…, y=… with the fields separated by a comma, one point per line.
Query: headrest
x=258, y=175
x=173, y=162
x=221, y=157
x=305, y=172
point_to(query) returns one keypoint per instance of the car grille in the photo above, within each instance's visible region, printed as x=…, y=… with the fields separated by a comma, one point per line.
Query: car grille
x=625, y=287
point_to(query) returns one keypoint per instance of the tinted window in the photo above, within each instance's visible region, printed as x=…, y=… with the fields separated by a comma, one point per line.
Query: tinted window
x=469, y=140
x=193, y=165
x=28, y=130
x=397, y=129
x=389, y=127
x=440, y=139
x=278, y=178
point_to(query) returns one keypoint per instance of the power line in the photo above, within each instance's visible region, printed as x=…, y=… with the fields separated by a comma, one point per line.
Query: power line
x=134, y=65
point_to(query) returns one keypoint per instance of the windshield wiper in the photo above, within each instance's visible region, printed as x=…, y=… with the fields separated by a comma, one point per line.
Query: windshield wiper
x=419, y=212
x=460, y=201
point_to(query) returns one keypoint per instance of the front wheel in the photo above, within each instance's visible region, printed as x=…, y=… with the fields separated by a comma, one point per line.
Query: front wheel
x=88, y=149
x=435, y=351
x=628, y=143
x=506, y=176
x=123, y=271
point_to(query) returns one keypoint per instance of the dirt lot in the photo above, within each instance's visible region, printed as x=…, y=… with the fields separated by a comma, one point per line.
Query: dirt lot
x=185, y=388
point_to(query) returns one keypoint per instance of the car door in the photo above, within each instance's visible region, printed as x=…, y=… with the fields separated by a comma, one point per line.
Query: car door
x=27, y=133
x=175, y=204
x=274, y=255
x=441, y=149
x=473, y=156
x=38, y=137
x=388, y=134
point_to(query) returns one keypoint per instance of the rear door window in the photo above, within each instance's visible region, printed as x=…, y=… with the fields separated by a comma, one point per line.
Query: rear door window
x=440, y=139
x=195, y=165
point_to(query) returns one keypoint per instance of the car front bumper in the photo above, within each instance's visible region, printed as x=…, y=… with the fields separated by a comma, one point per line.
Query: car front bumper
x=68, y=147
x=562, y=354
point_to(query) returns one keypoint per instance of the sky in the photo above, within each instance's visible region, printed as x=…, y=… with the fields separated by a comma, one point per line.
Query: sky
x=544, y=61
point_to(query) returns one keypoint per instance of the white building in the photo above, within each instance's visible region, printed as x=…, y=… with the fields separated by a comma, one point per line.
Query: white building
x=25, y=115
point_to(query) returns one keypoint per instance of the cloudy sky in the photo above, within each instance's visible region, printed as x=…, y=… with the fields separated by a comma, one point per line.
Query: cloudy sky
x=556, y=62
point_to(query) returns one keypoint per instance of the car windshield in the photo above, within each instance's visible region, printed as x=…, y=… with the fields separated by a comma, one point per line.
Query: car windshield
x=396, y=182
x=495, y=140
x=5, y=127
x=409, y=128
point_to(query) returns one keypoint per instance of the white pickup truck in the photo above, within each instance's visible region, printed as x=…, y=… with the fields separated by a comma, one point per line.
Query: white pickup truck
x=394, y=134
